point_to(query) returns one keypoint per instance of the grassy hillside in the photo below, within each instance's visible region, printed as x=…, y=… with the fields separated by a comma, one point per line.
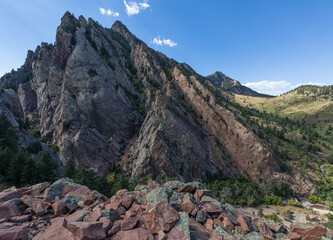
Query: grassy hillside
x=304, y=117
x=311, y=105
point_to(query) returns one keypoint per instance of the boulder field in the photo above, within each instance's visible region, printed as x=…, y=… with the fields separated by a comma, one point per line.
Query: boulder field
x=174, y=210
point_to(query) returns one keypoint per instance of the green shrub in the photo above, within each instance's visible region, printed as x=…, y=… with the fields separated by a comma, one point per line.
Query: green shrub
x=53, y=147
x=23, y=124
x=330, y=159
x=329, y=217
x=36, y=132
x=260, y=212
x=329, y=170
x=273, y=217
x=330, y=206
x=240, y=191
x=244, y=191
x=109, y=185
x=293, y=202
x=288, y=214
x=329, y=225
x=142, y=110
x=239, y=232
x=69, y=169
x=35, y=147
x=8, y=136
x=92, y=72
x=273, y=200
x=70, y=27
x=315, y=199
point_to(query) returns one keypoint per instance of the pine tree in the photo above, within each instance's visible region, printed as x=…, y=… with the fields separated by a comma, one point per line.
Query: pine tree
x=46, y=168
x=85, y=176
x=69, y=169
x=8, y=136
x=15, y=168
x=29, y=172
x=6, y=157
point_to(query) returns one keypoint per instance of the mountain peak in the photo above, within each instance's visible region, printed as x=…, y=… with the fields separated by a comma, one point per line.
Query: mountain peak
x=218, y=73
x=218, y=77
x=231, y=85
x=119, y=27
x=68, y=16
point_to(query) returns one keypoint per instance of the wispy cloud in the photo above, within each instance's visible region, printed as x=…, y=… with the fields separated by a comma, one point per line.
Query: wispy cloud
x=277, y=87
x=108, y=12
x=270, y=87
x=164, y=42
x=308, y=83
x=133, y=8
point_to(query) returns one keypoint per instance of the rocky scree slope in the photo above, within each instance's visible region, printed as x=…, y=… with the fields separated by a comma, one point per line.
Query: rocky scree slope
x=68, y=211
x=101, y=95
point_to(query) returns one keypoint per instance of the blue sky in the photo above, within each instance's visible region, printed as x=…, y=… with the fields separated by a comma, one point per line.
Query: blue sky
x=271, y=46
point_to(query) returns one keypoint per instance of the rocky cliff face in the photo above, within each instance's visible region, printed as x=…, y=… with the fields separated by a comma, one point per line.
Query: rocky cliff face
x=10, y=108
x=23, y=74
x=102, y=95
x=232, y=85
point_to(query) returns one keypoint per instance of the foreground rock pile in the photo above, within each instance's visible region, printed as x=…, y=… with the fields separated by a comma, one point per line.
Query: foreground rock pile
x=68, y=211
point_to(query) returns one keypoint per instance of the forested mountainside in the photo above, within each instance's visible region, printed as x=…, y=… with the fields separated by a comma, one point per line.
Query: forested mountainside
x=304, y=116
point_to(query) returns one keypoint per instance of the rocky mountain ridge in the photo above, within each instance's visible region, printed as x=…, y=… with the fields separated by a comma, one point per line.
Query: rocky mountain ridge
x=231, y=85
x=174, y=210
x=102, y=96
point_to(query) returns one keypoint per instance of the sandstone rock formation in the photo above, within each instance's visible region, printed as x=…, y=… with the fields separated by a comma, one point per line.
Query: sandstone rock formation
x=102, y=96
x=184, y=211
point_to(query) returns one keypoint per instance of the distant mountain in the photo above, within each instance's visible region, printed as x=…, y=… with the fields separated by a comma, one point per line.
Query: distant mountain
x=231, y=85
x=314, y=104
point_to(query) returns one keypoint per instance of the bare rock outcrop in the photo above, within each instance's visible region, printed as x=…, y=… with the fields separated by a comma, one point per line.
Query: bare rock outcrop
x=101, y=95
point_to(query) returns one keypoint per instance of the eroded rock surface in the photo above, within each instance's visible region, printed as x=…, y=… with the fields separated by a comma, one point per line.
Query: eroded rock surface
x=101, y=95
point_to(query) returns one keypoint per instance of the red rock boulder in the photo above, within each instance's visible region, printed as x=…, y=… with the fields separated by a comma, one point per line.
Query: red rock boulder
x=87, y=231
x=65, y=205
x=135, y=234
x=294, y=236
x=162, y=217
x=17, y=233
x=187, y=206
x=314, y=233
x=243, y=223
x=37, y=205
x=11, y=208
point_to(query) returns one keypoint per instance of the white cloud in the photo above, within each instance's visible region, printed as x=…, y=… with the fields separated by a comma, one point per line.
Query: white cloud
x=276, y=87
x=162, y=42
x=108, y=12
x=308, y=83
x=270, y=87
x=133, y=8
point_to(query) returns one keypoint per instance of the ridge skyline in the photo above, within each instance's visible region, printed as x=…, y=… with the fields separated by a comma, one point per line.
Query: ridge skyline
x=283, y=61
